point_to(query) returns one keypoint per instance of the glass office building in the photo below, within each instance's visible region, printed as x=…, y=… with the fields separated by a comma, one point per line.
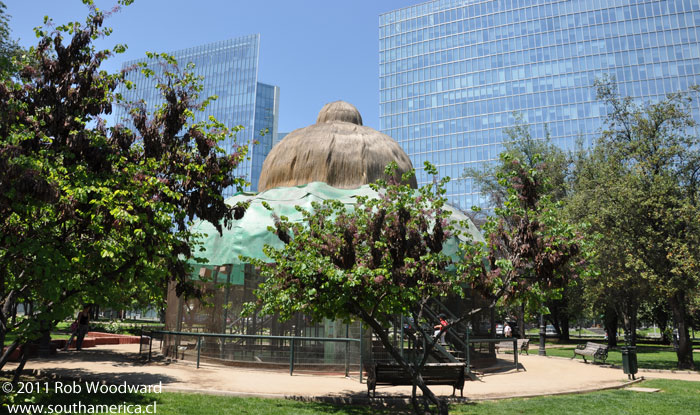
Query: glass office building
x=230, y=71
x=454, y=72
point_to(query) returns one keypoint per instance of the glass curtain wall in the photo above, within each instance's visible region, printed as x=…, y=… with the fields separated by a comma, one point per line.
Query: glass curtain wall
x=230, y=72
x=453, y=72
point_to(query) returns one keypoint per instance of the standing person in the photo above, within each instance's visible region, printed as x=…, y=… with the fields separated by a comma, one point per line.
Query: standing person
x=507, y=331
x=439, y=327
x=83, y=321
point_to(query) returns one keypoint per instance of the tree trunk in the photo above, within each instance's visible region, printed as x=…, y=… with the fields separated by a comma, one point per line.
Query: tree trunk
x=629, y=320
x=3, y=330
x=564, y=328
x=20, y=368
x=685, y=345
x=610, y=325
x=632, y=331
x=8, y=305
x=394, y=352
x=661, y=319
x=555, y=323
x=559, y=318
x=45, y=341
x=14, y=313
x=521, y=321
x=6, y=356
x=492, y=332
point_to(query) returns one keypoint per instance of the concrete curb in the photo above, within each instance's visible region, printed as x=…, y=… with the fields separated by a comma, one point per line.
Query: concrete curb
x=672, y=371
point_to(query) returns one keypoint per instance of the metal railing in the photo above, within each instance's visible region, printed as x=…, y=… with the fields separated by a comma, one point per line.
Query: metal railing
x=516, y=351
x=302, y=352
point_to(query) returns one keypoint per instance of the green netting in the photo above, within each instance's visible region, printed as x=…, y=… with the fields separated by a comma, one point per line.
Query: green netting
x=247, y=236
x=218, y=275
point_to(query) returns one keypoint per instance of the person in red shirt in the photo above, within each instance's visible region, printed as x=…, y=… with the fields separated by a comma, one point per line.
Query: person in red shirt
x=438, y=328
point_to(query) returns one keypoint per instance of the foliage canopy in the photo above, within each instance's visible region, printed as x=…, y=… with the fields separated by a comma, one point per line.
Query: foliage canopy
x=97, y=214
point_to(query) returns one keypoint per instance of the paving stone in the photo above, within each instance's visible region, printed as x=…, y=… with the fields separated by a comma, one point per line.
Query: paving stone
x=638, y=389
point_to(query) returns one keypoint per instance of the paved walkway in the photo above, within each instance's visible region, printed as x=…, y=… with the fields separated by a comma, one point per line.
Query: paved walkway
x=538, y=376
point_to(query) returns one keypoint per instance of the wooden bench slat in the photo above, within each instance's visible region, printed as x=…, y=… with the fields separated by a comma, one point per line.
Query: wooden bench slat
x=432, y=374
x=523, y=345
x=595, y=350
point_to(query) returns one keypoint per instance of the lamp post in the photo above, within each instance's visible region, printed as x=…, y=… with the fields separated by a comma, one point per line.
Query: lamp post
x=543, y=334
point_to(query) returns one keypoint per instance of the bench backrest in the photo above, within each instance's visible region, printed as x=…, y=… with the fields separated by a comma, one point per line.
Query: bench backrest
x=389, y=372
x=442, y=372
x=430, y=373
x=595, y=346
x=509, y=343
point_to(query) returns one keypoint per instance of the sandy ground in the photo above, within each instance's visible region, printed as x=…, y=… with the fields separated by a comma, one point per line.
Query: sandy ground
x=537, y=375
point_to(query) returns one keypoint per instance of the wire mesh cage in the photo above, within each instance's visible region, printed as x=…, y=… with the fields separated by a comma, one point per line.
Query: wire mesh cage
x=255, y=339
x=213, y=329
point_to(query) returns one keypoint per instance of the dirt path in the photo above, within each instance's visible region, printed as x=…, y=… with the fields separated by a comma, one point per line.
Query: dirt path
x=538, y=375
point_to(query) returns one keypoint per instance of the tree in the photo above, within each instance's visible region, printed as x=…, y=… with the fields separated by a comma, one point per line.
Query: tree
x=530, y=151
x=611, y=286
x=92, y=214
x=381, y=259
x=659, y=313
x=528, y=227
x=384, y=258
x=638, y=190
x=8, y=46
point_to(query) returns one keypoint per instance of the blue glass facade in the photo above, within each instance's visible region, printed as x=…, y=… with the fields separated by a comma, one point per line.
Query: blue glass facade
x=265, y=128
x=230, y=72
x=454, y=72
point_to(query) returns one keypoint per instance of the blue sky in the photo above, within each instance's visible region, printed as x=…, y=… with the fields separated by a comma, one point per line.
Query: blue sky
x=315, y=51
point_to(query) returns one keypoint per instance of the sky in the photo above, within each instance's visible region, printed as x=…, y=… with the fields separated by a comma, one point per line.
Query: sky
x=316, y=51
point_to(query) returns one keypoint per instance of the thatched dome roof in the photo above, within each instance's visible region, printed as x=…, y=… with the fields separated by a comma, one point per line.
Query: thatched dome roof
x=337, y=150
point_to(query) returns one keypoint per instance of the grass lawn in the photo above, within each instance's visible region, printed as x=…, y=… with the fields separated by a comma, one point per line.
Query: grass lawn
x=179, y=403
x=648, y=356
x=10, y=337
x=574, y=331
x=675, y=397
x=649, y=332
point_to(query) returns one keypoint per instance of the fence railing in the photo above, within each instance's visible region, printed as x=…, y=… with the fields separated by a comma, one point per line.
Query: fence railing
x=474, y=342
x=301, y=352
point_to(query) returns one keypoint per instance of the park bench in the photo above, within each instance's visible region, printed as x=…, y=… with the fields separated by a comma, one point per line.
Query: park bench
x=597, y=351
x=523, y=345
x=432, y=373
x=179, y=350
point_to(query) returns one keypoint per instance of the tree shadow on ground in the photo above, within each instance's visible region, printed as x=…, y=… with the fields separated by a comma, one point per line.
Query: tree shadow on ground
x=352, y=402
x=67, y=391
x=131, y=378
x=93, y=355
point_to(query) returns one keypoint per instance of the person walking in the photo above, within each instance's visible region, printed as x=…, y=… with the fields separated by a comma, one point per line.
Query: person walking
x=507, y=331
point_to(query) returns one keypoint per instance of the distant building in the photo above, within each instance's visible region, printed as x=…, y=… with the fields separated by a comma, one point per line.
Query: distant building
x=279, y=138
x=230, y=71
x=452, y=72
